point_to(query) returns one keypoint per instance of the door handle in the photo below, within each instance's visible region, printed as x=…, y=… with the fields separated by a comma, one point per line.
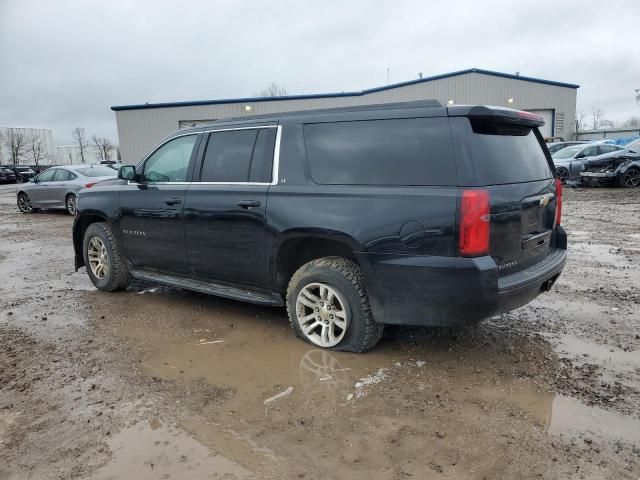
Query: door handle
x=173, y=201
x=249, y=203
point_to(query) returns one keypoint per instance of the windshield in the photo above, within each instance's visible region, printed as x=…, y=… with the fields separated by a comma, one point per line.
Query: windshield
x=96, y=172
x=568, y=152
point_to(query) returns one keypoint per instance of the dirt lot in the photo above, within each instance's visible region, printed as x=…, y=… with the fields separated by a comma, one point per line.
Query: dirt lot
x=161, y=383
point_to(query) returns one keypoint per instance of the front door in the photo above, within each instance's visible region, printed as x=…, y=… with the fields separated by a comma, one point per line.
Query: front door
x=225, y=207
x=40, y=191
x=151, y=210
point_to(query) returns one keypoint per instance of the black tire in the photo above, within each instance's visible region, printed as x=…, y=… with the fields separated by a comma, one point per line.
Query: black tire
x=117, y=276
x=563, y=173
x=24, y=203
x=630, y=178
x=70, y=203
x=345, y=276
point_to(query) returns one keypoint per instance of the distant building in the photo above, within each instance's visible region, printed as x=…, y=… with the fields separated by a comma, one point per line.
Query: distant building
x=141, y=127
x=70, y=155
x=46, y=138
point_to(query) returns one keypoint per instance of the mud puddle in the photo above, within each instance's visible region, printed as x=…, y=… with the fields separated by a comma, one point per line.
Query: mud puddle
x=151, y=450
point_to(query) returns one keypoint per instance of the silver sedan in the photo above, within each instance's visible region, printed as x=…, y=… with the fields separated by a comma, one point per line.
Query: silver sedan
x=57, y=187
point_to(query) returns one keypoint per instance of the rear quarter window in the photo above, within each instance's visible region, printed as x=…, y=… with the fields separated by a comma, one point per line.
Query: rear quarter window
x=492, y=153
x=414, y=151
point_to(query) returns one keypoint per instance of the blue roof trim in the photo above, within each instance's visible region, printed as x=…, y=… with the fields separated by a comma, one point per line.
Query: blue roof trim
x=343, y=94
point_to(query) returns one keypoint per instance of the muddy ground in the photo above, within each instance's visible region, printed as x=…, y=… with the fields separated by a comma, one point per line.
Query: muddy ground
x=159, y=383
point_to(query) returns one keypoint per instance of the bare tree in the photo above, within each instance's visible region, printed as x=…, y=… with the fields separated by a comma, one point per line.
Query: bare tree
x=631, y=122
x=79, y=134
x=36, y=149
x=103, y=147
x=580, y=121
x=16, y=143
x=272, y=90
x=596, y=117
x=607, y=123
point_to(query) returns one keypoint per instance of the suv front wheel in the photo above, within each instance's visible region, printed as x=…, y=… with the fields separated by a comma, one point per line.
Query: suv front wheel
x=328, y=306
x=105, y=263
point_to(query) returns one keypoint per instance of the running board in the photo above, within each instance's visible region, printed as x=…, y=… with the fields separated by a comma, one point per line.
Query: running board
x=225, y=291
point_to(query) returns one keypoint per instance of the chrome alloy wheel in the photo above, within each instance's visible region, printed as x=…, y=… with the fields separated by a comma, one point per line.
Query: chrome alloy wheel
x=322, y=314
x=98, y=258
x=24, y=203
x=632, y=177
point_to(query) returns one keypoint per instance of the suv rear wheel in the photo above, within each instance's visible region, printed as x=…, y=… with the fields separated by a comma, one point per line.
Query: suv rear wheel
x=328, y=306
x=102, y=256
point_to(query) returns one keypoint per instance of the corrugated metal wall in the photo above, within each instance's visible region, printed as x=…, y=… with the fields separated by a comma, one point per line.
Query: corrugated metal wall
x=140, y=130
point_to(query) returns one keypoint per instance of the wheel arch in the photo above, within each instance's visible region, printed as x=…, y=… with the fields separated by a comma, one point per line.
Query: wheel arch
x=301, y=246
x=80, y=225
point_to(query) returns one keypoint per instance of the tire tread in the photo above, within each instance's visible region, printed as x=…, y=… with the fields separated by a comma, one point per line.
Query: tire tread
x=353, y=274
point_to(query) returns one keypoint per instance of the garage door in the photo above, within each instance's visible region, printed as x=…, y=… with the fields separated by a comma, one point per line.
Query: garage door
x=547, y=129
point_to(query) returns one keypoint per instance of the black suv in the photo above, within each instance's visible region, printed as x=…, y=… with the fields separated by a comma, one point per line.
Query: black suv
x=357, y=217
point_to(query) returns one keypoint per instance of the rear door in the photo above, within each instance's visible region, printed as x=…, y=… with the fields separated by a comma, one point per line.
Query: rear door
x=225, y=207
x=510, y=161
x=61, y=181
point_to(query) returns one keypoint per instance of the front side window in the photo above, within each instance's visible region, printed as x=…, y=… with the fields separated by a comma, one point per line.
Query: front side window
x=47, y=175
x=589, y=152
x=169, y=163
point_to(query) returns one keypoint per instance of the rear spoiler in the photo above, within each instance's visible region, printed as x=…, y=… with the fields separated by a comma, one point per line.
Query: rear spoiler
x=502, y=114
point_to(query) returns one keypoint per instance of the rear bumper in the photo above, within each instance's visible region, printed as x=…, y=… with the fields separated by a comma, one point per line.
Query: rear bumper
x=419, y=290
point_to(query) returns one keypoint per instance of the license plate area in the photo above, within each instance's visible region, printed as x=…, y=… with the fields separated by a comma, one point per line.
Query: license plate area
x=537, y=215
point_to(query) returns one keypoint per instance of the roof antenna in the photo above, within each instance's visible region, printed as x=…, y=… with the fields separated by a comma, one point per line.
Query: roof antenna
x=388, y=76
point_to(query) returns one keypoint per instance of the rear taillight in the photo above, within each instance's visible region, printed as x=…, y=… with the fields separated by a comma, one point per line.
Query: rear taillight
x=475, y=210
x=558, y=200
x=89, y=185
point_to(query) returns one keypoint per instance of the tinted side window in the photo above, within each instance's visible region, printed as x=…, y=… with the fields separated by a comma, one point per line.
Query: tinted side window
x=262, y=161
x=412, y=151
x=169, y=163
x=228, y=156
x=47, y=175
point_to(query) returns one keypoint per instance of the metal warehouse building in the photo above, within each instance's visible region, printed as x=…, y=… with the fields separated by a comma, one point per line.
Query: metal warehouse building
x=142, y=127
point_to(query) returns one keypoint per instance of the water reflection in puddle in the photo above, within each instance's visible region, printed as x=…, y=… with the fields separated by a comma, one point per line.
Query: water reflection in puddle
x=150, y=450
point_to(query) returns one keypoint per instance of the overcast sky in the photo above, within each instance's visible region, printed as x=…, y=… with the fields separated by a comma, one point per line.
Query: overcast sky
x=64, y=63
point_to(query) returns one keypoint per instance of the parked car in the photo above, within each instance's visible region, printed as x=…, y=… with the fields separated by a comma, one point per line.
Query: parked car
x=58, y=187
x=570, y=160
x=23, y=173
x=621, y=168
x=7, y=175
x=356, y=217
x=556, y=146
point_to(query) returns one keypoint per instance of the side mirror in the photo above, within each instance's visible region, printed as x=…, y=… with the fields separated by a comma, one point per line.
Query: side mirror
x=127, y=172
x=581, y=155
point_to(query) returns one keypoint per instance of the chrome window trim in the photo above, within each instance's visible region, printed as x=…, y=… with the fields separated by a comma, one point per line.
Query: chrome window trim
x=275, y=166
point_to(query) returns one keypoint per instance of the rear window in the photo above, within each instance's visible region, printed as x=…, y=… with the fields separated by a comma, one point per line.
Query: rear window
x=97, y=172
x=506, y=153
x=412, y=151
